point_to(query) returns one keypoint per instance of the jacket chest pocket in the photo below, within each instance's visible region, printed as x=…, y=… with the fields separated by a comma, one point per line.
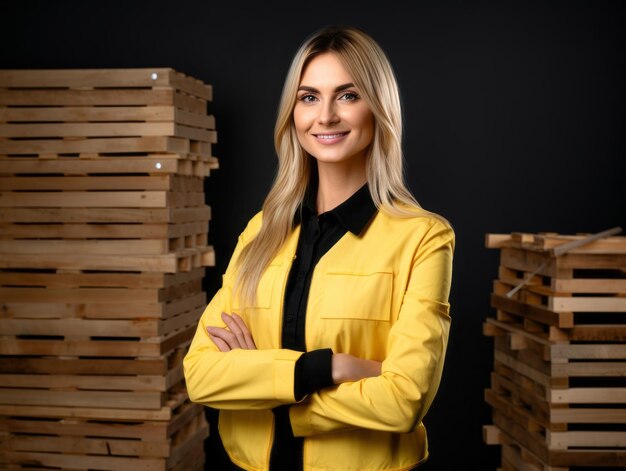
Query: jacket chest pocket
x=265, y=290
x=357, y=296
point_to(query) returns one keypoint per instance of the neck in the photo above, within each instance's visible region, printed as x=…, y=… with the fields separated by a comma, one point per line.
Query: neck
x=337, y=182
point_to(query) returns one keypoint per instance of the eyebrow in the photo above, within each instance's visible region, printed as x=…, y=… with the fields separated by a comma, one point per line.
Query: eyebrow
x=315, y=90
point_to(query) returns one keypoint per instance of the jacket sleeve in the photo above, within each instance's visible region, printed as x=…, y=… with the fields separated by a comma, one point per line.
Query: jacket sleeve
x=398, y=399
x=239, y=379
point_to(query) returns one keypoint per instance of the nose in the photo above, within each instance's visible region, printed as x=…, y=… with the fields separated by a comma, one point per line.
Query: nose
x=328, y=114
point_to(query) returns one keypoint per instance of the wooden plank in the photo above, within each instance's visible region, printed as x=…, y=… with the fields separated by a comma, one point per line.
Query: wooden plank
x=582, y=285
x=599, y=333
x=72, y=183
x=190, y=85
x=157, y=164
x=190, y=103
x=117, y=129
x=105, y=215
x=70, y=461
x=102, y=231
x=592, y=261
x=78, y=114
x=586, y=439
x=531, y=440
x=119, y=399
x=98, y=328
x=81, y=366
x=594, y=457
x=86, y=247
x=128, y=77
x=43, y=310
x=104, y=279
x=523, y=369
x=611, y=244
x=148, y=431
x=496, y=241
x=518, y=330
x=99, y=413
x=183, y=260
x=588, y=396
x=196, y=120
x=81, y=295
x=85, y=199
x=536, y=313
x=588, y=415
x=85, y=327
x=148, y=347
x=524, y=260
x=95, y=145
x=86, y=382
x=116, y=182
x=95, y=97
x=588, y=352
x=589, y=370
x=93, y=446
x=517, y=462
x=587, y=304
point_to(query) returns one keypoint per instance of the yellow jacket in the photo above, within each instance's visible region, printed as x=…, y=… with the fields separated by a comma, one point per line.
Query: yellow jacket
x=381, y=296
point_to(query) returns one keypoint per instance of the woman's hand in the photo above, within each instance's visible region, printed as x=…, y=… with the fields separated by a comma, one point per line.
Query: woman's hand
x=347, y=368
x=235, y=335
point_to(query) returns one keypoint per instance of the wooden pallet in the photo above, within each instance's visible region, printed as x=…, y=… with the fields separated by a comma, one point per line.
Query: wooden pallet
x=105, y=121
x=558, y=389
x=103, y=240
x=77, y=443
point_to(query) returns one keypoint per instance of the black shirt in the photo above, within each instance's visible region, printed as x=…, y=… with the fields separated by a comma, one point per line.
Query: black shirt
x=318, y=234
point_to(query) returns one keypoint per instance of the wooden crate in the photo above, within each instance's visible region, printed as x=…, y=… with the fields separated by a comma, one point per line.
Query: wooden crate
x=558, y=389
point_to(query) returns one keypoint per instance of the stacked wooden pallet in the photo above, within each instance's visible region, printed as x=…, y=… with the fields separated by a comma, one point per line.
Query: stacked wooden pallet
x=558, y=389
x=103, y=244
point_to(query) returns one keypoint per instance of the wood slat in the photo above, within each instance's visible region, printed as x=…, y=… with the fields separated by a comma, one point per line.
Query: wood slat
x=95, y=145
x=105, y=215
x=129, y=77
x=105, y=279
x=182, y=260
x=102, y=231
x=94, y=114
x=122, y=129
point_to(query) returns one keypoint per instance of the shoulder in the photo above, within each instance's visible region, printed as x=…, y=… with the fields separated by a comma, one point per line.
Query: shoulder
x=252, y=227
x=417, y=219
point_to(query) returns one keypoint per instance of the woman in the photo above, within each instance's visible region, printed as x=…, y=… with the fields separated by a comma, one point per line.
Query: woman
x=324, y=347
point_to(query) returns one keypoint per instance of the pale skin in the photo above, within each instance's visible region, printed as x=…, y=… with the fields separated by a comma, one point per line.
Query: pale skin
x=335, y=126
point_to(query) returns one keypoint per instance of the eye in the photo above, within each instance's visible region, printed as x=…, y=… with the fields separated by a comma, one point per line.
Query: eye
x=349, y=96
x=307, y=98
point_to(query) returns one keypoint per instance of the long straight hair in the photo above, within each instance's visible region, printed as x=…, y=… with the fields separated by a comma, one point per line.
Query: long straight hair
x=372, y=73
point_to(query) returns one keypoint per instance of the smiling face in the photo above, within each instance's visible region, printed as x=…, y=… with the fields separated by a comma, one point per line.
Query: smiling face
x=333, y=123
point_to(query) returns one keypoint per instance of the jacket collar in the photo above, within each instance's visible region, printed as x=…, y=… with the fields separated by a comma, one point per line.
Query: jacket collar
x=354, y=214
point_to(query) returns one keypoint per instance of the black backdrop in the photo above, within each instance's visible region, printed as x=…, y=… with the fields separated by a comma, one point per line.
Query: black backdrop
x=513, y=122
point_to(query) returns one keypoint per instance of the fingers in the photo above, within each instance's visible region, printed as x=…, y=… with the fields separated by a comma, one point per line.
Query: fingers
x=235, y=335
x=224, y=339
x=248, y=341
x=235, y=328
x=219, y=343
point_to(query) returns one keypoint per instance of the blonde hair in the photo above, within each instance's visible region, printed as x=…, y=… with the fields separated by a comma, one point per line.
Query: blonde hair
x=372, y=73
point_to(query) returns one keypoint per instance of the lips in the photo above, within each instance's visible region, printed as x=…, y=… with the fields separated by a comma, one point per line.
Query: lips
x=330, y=138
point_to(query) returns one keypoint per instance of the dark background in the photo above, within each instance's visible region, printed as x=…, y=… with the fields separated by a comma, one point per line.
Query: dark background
x=514, y=121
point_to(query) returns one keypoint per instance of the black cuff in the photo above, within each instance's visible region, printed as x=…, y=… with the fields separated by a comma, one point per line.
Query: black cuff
x=313, y=372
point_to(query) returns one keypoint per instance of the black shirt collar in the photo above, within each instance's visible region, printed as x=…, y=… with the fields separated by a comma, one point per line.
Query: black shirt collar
x=353, y=214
